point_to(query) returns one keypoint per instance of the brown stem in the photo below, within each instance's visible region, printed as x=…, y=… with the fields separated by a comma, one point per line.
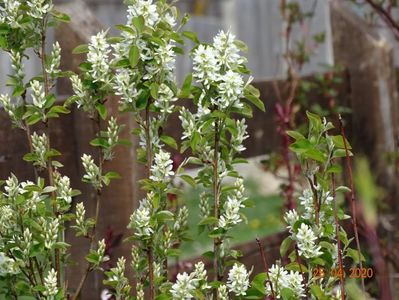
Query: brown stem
x=337, y=230
x=386, y=16
x=298, y=261
x=216, y=241
x=93, y=235
x=353, y=199
x=150, y=257
x=265, y=266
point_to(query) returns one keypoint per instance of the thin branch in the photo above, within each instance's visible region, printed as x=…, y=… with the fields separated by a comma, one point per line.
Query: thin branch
x=265, y=266
x=353, y=199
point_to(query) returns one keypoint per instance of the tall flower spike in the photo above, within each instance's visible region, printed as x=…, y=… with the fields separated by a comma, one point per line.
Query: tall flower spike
x=238, y=280
x=162, y=168
x=184, y=287
x=16, y=65
x=38, y=96
x=144, y=8
x=92, y=171
x=64, y=190
x=40, y=146
x=50, y=232
x=140, y=219
x=99, y=50
x=38, y=8
x=306, y=238
x=50, y=284
x=206, y=65
x=55, y=61
x=10, y=13
x=80, y=219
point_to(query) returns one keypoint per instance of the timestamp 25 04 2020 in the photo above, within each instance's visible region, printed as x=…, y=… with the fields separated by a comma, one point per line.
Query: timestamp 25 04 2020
x=354, y=272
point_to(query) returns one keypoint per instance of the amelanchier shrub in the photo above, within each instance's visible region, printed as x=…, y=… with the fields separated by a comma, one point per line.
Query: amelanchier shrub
x=138, y=66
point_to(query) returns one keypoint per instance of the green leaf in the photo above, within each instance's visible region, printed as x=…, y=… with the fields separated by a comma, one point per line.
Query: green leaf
x=112, y=175
x=59, y=16
x=218, y=232
x=59, y=110
x=259, y=282
x=253, y=90
x=191, y=36
x=208, y=221
x=84, y=48
x=99, y=142
x=138, y=23
x=142, y=100
x=165, y=215
x=339, y=142
x=315, y=121
x=125, y=28
x=285, y=245
x=168, y=140
x=317, y=292
x=295, y=135
x=255, y=101
x=354, y=254
x=154, y=88
x=287, y=294
x=102, y=111
x=185, y=90
x=241, y=45
x=188, y=179
x=134, y=56
x=18, y=91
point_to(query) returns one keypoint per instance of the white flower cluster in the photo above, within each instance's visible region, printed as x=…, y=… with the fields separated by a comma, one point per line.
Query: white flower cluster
x=38, y=96
x=50, y=232
x=7, y=265
x=239, y=136
x=101, y=251
x=181, y=219
x=161, y=170
x=290, y=218
x=39, y=8
x=165, y=99
x=188, y=123
x=99, y=49
x=204, y=205
x=140, y=219
x=231, y=215
x=40, y=146
x=16, y=65
x=117, y=275
x=50, y=284
x=92, y=170
x=281, y=278
x=26, y=243
x=223, y=294
x=185, y=284
x=306, y=241
x=7, y=219
x=139, y=291
x=80, y=218
x=125, y=87
x=77, y=86
x=144, y=8
x=112, y=135
x=238, y=280
x=64, y=190
x=55, y=60
x=216, y=65
x=12, y=187
x=10, y=108
x=9, y=13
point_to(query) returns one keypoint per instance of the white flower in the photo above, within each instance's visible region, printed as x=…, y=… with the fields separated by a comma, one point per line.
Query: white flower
x=10, y=13
x=92, y=170
x=231, y=90
x=204, y=205
x=50, y=284
x=293, y=281
x=227, y=51
x=140, y=219
x=12, y=186
x=181, y=219
x=290, y=218
x=38, y=95
x=53, y=69
x=161, y=170
x=188, y=123
x=238, y=280
x=7, y=265
x=170, y=19
x=231, y=215
x=307, y=202
x=7, y=218
x=184, y=287
x=80, y=218
x=99, y=50
x=139, y=291
x=143, y=8
x=165, y=58
x=50, y=235
x=239, y=136
x=40, y=146
x=205, y=65
x=306, y=238
x=16, y=64
x=223, y=294
x=125, y=87
x=38, y=8
x=165, y=99
x=64, y=190
x=26, y=242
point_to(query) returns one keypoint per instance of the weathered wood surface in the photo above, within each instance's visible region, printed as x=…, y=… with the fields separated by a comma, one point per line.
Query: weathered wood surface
x=373, y=90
